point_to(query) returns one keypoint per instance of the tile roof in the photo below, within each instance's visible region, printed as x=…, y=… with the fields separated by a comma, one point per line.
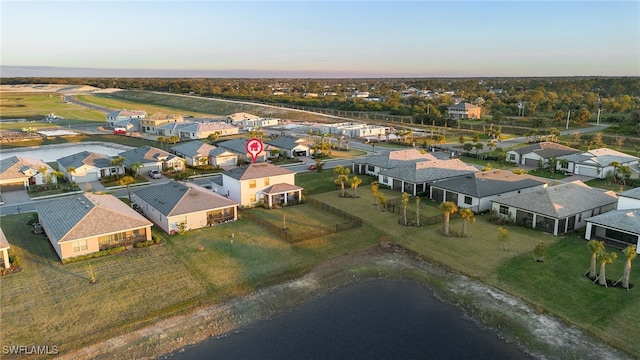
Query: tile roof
x=256, y=171
x=177, y=198
x=625, y=220
x=427, y=171
x=487, y=183
x=396, y=158
x=193, y=148
x=87, y=215
x=86, y=158
x=562, y=200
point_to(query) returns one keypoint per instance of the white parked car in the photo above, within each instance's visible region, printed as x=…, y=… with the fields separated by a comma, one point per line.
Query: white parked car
x=155, y=174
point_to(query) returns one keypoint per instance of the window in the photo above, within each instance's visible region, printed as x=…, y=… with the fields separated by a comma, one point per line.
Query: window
x=504, y=210
x=252, y=199
x=80, y=245
x=252, y=184
x=512, y=157
x=266, y=182
x=468, y=200
x=385, y=179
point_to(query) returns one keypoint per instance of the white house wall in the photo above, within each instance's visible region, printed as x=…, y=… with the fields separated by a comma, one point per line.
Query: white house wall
x=625, y=203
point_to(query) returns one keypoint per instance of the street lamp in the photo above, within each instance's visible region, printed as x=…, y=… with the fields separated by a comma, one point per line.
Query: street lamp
x=568, y=117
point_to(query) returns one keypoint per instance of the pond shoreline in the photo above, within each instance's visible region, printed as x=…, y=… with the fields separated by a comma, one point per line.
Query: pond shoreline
x=539, y=335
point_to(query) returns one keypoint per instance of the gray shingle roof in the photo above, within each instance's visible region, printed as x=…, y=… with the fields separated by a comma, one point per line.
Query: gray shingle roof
x=625, y=220
x=632, y=193
x=603, y=157
x=14, y=167
x=489, y=183
x=547, y=149
x=146, y=154
x=235, y=145
x=177, y=198
x=285, y=142
x=281, y=188
x=193, y=148
x=428, y=171
x=396, y=158
x=85, y=158
x=463, y=105
x=256, y=171
x=562, y=200
x=87, y=215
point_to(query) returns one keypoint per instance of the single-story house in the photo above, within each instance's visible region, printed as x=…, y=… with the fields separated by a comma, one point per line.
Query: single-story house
x=596, y=163
x=196, y=130
x=194, y=152
x=152, y=158
x=259, y=181
x=620, y=227
x=88, y=166
x=556, y=209
x=239, y=148
x=543, y=152
x=290, y=146
x=4, y=249
x=20, y=172
x=170, y=204
x=372, y=165
x=86, y=223
x=477, y=190
x=117, y=116
x=243, y=119
x=130, y=125
x=415, y=178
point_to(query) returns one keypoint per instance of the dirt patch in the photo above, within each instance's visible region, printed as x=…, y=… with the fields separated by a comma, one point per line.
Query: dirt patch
x=538, y=334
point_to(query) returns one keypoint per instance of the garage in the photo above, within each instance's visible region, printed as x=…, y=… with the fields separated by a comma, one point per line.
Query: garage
x=226, y=160
x=586, y=171
x=531, y=162
x=88, y=177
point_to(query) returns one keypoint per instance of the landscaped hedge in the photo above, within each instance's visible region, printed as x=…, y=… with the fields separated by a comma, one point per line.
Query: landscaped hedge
x=95, y=254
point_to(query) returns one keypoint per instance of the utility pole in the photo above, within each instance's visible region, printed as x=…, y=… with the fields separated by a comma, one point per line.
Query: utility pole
x=568, y=116
x=598, y=119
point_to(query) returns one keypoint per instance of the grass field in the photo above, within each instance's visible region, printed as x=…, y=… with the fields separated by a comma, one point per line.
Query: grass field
x=35, y=106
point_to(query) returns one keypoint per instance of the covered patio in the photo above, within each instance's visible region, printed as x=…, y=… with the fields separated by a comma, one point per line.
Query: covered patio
x=282, y=194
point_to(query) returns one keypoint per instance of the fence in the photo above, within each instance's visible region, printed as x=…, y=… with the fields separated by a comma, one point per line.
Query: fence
x=395, y=206
x=318, y=232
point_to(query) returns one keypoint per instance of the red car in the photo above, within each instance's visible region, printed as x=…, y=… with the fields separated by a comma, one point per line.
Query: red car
x=312, y=167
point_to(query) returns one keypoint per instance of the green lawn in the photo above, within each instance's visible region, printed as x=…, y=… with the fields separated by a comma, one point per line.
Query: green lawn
x=35, y=106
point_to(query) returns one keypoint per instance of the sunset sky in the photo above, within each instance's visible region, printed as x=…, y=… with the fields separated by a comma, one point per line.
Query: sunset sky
x=319, y=38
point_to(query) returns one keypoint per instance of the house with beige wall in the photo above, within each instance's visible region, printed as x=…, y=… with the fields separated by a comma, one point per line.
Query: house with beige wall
x=86, y=223
x=174, y=203
x=260, y=181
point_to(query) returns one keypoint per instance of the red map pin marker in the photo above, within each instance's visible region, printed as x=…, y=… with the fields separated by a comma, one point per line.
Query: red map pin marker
x=254, y=147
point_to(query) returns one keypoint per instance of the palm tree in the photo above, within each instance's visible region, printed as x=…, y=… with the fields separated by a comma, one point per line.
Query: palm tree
x=355, y=182
x=71, y=170
x=478, y=147
x=467, y=216
x=616, y=166
x=343, y=176
x=629, y=253
x=624, y=171
x=135, y=168
x=447, y=209
x=605, y=258
x=375, y=190
x=405, y=201
x=117, y=161
x=596, y=248
x=58, y=174
x=127, y=181
x=418, y=210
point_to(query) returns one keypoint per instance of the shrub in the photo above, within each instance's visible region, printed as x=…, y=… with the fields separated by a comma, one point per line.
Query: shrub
x=145, y=243
x=98, y=254
x=14, y=261
x=156, y=239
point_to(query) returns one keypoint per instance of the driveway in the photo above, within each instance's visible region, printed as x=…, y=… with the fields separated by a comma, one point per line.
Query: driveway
x=92, y=186
x=15, y=197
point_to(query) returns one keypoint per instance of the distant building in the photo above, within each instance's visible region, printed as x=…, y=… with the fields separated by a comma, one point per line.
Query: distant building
x=121, y=115
x=464, y=110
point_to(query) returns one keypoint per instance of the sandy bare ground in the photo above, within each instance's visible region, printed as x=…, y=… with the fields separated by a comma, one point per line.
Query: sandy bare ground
x=48, y=88
x=546, y=337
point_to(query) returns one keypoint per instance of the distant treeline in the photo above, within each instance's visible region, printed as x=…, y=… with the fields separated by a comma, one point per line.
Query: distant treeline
x=617, y=98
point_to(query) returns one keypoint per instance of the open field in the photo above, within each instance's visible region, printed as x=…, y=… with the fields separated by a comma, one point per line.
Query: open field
x=113, y=101
x=35, y=106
